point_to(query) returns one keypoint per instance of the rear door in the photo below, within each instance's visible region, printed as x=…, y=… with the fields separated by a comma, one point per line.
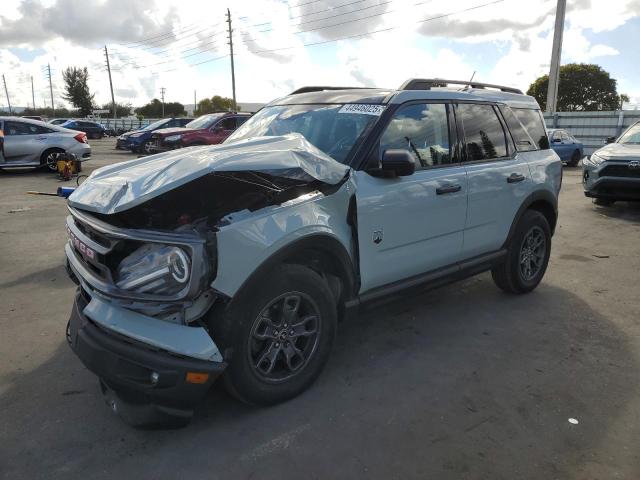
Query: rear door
x=499, y=178
x=414, y=224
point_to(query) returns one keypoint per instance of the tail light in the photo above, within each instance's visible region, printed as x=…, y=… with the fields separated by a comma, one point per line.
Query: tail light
x=81, y=137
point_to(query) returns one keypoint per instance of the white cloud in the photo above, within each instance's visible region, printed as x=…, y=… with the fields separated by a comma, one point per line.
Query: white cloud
x=522, y=30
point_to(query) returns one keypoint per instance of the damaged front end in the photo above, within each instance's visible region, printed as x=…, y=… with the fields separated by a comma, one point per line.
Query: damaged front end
x=143, y=250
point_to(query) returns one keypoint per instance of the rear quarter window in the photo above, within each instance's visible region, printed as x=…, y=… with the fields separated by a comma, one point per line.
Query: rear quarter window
x=524, y=142
x=533, y=122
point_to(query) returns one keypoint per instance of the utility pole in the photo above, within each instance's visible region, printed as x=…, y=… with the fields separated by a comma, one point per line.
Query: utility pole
x=53, y=108
x=6, y=92
x=233, y=72
x=162, y=90
x=113, y=100
x=554, y=71
x=33, y=95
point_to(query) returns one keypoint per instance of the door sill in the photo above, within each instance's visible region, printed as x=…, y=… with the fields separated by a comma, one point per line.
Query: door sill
x=429, y=280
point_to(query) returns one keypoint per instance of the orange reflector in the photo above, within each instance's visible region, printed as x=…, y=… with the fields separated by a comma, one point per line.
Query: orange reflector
x=195, y=377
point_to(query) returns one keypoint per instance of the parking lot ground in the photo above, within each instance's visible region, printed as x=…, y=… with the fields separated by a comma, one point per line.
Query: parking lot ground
x=460, y=382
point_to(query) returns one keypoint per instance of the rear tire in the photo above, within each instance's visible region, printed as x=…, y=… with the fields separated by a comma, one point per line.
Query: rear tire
x=271, y=362
x=49, y=159
x=527, y=255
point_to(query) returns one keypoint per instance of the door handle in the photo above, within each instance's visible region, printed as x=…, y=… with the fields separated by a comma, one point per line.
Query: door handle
x=448, y=189
x=515, y=178
x=41, y=138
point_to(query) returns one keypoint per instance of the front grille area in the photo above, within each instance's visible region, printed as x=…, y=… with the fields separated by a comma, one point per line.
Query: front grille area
x=620, y=171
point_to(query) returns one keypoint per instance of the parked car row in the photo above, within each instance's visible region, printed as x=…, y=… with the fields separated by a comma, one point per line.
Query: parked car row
x=139, y=141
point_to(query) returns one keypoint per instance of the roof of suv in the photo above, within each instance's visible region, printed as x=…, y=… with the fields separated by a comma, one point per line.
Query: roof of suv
x=414, y=89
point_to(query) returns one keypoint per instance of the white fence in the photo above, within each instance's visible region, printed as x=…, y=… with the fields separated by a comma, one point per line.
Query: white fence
x=592, y=128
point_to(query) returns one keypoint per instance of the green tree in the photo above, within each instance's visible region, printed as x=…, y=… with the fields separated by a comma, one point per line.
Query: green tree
x=122, y=109
x=582, y=87
x=624, y=98
x=214, y=104
x=47, y=112
x=153, y=109
x=77, y=89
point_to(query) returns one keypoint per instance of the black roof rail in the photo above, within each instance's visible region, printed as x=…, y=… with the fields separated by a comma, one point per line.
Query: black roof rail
x=428, y=83
x=320, y=89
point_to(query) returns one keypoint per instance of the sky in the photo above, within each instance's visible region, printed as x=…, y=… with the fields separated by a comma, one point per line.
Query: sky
x=282, y=45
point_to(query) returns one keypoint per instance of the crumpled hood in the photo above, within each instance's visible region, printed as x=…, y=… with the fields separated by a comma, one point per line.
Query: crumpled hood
x=619, y=151
x=121, y=186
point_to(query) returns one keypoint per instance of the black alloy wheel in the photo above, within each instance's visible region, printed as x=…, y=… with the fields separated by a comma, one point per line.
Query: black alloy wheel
x=284, y=336
x=532, y=253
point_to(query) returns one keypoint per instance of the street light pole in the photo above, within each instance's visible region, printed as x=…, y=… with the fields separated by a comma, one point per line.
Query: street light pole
x=554, y=70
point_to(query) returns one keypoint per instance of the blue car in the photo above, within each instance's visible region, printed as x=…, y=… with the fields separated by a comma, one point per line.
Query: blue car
x=140, y=140
x=566, y=146
x=92, y=129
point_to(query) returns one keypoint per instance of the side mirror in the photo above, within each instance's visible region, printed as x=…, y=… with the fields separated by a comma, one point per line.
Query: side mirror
x=398, y=162
x=556, y=140
x=610, y=140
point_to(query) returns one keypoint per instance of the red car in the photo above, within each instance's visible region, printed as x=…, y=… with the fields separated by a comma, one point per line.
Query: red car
x=208, y=129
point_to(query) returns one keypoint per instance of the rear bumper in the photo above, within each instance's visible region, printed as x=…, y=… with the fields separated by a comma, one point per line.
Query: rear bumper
x=81, y=150
x=144, y=385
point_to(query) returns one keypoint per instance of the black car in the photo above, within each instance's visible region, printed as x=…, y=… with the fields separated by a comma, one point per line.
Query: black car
x=92, y=129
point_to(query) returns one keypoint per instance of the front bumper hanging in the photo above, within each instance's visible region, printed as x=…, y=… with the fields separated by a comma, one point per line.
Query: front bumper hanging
x=146, y=386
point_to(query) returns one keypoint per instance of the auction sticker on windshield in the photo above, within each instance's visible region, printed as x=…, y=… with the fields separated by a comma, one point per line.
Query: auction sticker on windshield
x=362, y=108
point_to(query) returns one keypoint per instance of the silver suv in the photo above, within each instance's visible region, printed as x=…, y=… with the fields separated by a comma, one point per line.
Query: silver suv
x=240, y=259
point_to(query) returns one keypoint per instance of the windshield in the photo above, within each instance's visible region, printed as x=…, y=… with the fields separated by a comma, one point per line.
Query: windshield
x=631, y=136
x=205, y=121
x=154, y=125
x=334, y=129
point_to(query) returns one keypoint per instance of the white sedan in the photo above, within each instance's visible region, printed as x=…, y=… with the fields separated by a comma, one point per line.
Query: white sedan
x=30, y=143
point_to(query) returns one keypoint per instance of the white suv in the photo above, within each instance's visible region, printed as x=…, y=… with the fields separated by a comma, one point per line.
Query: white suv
x=240, y=259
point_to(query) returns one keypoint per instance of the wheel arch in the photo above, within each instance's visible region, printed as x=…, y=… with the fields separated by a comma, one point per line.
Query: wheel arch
x=322, y=253
x=542, y=201
x=47, y=151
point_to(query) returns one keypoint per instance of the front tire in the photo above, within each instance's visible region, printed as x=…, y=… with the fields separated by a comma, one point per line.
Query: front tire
x=146, y=147
x=603, y=202
x=279, y=330
x=527, y=255
x=575, y=159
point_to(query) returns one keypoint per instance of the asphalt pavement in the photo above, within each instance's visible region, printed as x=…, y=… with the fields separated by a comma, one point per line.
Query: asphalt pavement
x=462, y=382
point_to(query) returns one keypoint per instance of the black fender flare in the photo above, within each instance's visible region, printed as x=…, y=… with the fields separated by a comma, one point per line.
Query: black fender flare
x=537, y=197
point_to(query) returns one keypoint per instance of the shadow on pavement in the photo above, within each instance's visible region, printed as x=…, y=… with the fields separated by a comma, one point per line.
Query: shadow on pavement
x=460, y=382
x=623, y=210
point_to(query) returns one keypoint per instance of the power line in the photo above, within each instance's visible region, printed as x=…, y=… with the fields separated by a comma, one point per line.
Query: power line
x=172, y=39
x=190, y=26
x=347, y=21
x=347, y=37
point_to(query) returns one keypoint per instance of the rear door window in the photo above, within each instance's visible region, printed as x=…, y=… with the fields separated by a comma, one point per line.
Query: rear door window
x=532, y=120
x=484, y=136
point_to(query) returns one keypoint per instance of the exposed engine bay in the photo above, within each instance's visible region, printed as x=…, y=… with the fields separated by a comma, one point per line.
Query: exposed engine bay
x=207, y=200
